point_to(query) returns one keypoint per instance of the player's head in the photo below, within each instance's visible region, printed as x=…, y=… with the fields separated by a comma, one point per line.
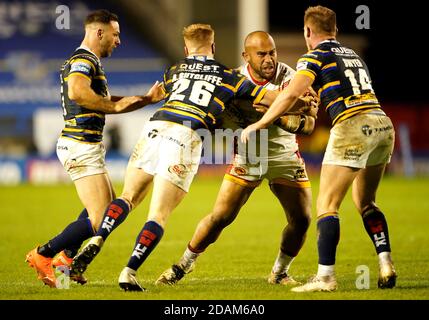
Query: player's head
x=102, y=28
x=261, y=54
x=319, y=23
x=199, y=39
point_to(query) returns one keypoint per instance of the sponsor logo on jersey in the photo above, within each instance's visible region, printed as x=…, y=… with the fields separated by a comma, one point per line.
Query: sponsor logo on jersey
x=80, y=67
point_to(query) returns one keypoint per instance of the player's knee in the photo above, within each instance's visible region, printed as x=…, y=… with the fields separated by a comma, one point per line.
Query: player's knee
x=219, y=221
x=129, y=199
x=301, y=223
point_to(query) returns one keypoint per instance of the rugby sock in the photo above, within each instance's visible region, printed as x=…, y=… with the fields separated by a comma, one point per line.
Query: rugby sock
x=146, y=241
x=282, y=263
x=73, y=235
x=328, y=228
x=71, y=251
x=114, y=215
x=188, y=258
x=376, y=226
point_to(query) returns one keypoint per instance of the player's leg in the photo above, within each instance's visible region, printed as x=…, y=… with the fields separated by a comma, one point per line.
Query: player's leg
x=95, y=193
x=136, y=186
x=166, y=196
x=296, y=201
x=364, y=193
x=334, y=183
x=231, y=197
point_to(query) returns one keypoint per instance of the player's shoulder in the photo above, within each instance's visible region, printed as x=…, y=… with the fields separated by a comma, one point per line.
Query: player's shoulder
x=83, y=55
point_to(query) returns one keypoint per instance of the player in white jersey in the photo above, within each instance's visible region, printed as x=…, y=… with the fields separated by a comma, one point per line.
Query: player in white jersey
x=283, y=167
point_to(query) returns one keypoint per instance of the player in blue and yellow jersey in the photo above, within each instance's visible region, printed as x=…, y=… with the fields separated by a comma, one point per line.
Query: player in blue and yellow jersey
x=360, y=144
x=85, y=100
x=197, y=91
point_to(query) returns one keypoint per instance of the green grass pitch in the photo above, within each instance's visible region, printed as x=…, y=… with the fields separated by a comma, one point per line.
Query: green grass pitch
x=236, y=266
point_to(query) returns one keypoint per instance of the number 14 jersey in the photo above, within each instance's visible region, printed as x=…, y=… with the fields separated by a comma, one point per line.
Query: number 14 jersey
x=341, y=79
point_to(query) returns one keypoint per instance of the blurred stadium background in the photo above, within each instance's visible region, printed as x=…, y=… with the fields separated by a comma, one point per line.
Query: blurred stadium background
x=32, y=49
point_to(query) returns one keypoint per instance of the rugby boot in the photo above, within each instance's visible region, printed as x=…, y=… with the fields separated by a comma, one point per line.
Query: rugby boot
x=173, y=274
x=283, y=279
x=128, y=281
x=61, y=261
x=43, y=267
x=318, y=283
x=86, y=255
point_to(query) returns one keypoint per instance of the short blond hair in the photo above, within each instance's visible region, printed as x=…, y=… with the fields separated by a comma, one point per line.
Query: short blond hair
x=323, y=20
x=199, y=33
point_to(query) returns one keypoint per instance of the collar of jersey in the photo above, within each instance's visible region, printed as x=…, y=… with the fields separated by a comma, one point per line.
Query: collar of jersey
x=328, y=41
x=87, y=49
x=199, y=57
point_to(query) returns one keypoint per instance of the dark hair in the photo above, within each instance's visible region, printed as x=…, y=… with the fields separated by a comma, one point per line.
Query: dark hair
x=103, y=16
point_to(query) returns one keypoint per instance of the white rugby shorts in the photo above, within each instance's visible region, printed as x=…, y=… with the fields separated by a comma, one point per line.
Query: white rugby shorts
x=170, y=150
x=81, y=159
x=363, y=140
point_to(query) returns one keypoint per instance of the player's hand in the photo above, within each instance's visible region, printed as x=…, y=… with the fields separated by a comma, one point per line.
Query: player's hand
x=156, y=93
x=245, y=134
x=260, y=108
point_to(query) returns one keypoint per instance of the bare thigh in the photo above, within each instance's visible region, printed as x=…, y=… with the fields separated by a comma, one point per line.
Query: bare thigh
x=365, y=187
x=334, y=182
x=96, y=193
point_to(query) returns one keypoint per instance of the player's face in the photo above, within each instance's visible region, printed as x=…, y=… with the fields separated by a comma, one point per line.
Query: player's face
x=110, y=39
x=263, y=59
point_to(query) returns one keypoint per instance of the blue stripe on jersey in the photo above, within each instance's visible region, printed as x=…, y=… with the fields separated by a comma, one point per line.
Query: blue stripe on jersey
x=329, y=89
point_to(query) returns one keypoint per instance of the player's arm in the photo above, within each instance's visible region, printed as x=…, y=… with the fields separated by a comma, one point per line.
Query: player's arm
x=282, y=104
x=155, y=94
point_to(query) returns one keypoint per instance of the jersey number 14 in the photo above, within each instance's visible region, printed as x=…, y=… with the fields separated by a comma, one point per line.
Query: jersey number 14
x=364, y=82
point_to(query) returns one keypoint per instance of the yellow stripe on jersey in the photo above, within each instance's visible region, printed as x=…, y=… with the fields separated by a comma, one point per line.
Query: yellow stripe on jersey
x=229, y=87
x=102, y=116
x=168, y=81
x=184, y=113
x=100, y=77
x=318, y=50
x=239, y=84
x=260, y=96
x=328, y=85
x=335, y=101
x=185, y=106
x=333, y=64
x=82, y=131
x=219, y=102
x=228, y=71
x=84, y=61
x=353, y=111
x=310, y=60
x=77, y=74
x=309, y=73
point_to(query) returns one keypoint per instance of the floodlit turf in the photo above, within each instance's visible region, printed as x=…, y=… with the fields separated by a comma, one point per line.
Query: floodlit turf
x=236, y=266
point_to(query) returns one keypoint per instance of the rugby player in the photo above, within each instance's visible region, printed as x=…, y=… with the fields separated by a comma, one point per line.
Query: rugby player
x=360, y=145
x=197, y=90
x=285, y=170
x=85, y=99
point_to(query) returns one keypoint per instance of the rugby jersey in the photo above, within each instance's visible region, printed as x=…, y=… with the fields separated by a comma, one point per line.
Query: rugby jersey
x=341, y=79
x=198, y=89
x=82, y=124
